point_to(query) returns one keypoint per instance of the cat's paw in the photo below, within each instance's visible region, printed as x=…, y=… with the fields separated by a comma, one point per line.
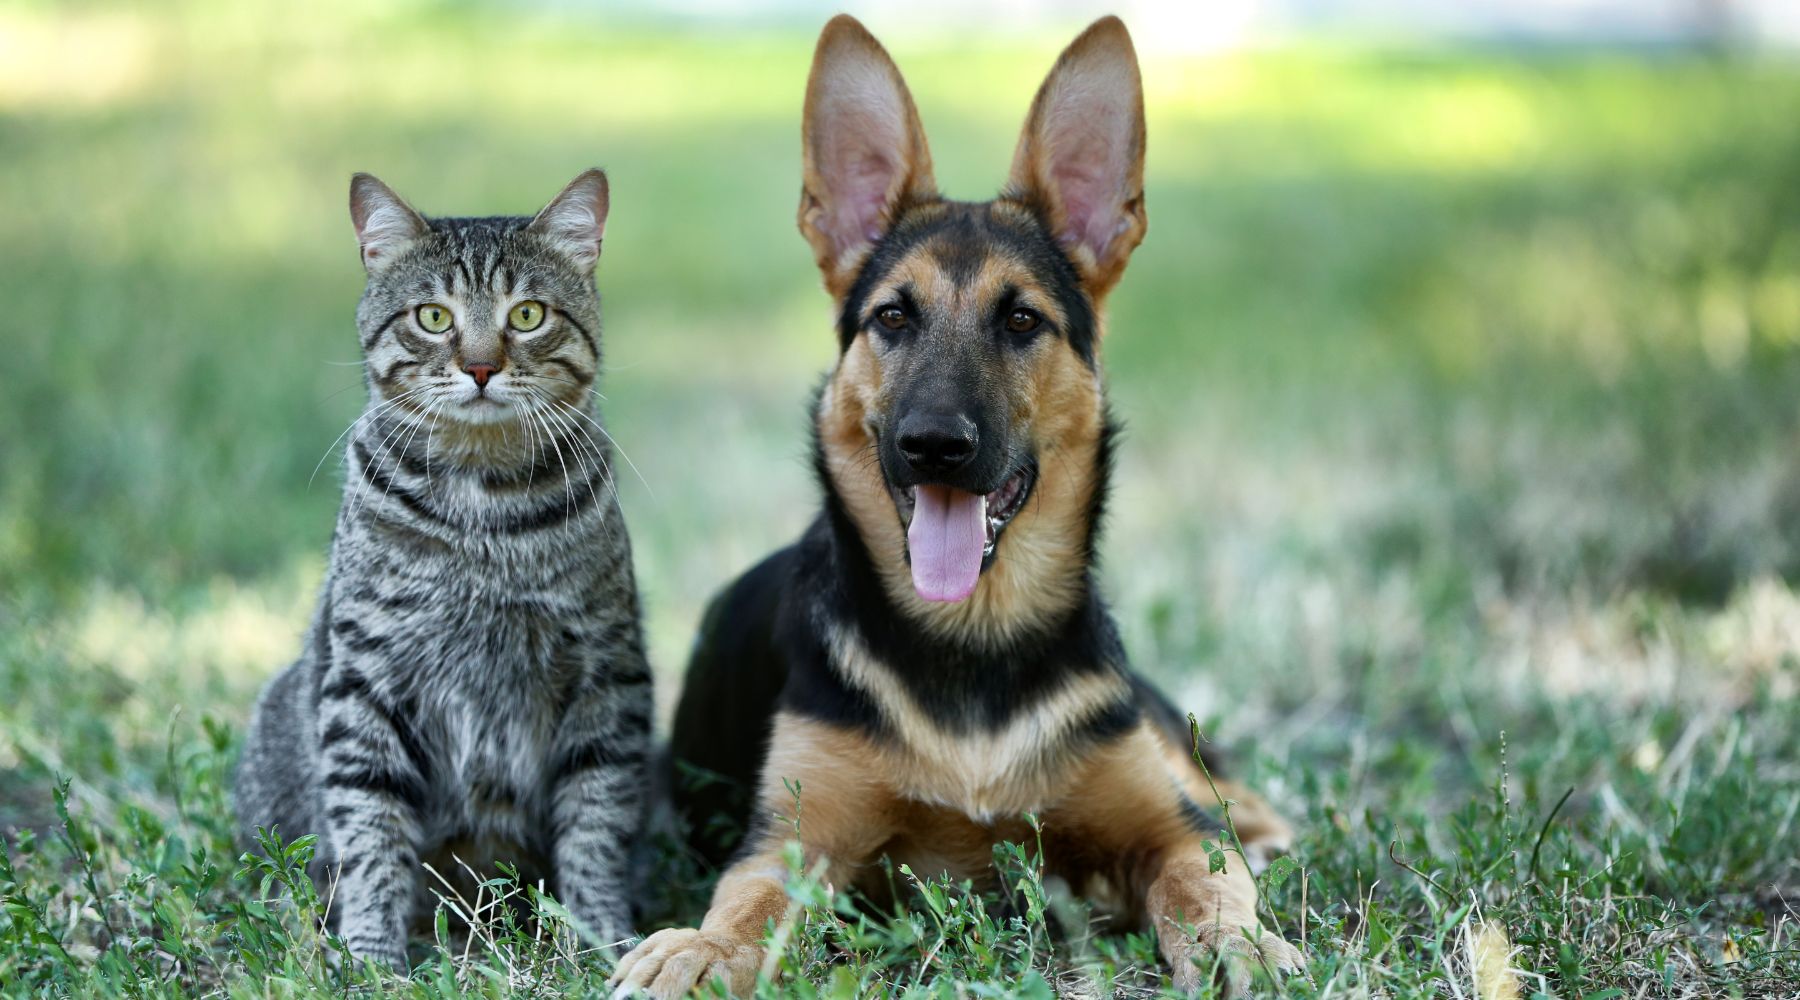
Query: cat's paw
x=609, y=927
x=1224, y=953
x=672, y=963
x=384, y=955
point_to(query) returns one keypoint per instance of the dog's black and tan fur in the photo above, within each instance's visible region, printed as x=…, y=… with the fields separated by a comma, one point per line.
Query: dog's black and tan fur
x=921, y=729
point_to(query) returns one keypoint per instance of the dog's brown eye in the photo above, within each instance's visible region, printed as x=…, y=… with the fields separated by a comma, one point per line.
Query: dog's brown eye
x=1022, y=321
x=892, y=317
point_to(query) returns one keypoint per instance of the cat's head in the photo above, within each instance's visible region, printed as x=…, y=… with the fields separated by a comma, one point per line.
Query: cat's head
x=480, y=321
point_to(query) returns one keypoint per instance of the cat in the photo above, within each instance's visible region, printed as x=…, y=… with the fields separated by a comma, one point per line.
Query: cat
x=473, y=687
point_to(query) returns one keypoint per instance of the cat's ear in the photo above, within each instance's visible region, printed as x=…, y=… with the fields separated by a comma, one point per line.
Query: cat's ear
x=575, y=221
x=863, y=146
x=385, y=223
x=1080, y=159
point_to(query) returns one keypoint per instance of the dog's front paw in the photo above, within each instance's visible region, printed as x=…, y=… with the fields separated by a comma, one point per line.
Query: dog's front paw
x=671, y=963
x=1225, y=953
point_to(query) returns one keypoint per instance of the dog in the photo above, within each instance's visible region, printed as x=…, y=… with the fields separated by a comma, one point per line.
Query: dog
x=933, y=660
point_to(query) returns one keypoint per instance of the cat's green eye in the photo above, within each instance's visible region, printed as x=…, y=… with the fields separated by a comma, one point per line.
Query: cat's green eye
x=526, y=316
x=433, y=317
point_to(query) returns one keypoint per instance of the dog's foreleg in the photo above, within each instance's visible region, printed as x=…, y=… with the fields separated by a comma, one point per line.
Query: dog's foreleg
x=1205, y=919
x=816, y=788
x=1172, y=851
x=728, y=945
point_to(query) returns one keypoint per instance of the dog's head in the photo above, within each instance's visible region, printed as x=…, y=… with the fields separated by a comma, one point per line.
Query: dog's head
x=965, y=413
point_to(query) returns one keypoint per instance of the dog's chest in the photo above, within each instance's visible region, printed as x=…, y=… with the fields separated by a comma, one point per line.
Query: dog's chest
x=988, y=769
x=986, y=775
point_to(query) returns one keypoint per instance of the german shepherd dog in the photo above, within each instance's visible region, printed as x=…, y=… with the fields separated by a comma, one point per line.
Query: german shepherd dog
x=933, y=660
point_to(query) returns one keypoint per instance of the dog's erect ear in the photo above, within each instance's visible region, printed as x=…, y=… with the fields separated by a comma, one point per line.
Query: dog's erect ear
x=385, y=223
x=1081, y=156
x=864, y=149
x=575, y=221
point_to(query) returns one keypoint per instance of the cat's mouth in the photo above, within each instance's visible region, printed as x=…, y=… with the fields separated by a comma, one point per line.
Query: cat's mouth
x=488, y=404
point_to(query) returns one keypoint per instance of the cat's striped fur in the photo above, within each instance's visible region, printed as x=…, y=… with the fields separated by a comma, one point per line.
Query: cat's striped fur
x=473, y=686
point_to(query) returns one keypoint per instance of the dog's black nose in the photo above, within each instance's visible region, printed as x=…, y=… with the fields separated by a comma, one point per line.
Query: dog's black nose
x=937, y=443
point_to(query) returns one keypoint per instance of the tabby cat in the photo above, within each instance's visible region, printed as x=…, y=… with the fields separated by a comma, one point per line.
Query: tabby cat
x=473, y=687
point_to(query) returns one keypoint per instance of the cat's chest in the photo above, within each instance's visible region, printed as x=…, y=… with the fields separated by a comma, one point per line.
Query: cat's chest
x=494, y=637
x=486, y=676
x=492, y=682
x=490, y=759
x=498, y=748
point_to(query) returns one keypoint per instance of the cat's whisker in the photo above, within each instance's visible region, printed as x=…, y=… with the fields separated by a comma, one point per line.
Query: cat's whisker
x=568, y=486
x=540, y=405
x=558, y=378
x=552, y=408
x=542, y=435
x=615, y=443
x=406, y=448
x=584, y=444
x=365, y=415
x=536, y=451
x=382, y=454
x=553, y=405
x=328, y=397
x=599, y=453
x=594, y=448
x=599, y=456
x=377, y=457
x=428, y=435
x=558, y=430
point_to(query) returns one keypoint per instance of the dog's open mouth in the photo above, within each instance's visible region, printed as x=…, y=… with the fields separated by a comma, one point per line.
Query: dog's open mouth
x=951, y=534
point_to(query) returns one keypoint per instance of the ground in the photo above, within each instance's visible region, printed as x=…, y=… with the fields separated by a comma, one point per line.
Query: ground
x=1459, y=498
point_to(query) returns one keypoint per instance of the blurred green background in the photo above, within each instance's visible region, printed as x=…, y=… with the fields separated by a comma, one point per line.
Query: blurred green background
x=1461, y=384
x=1505, y=324
x=1503, y=320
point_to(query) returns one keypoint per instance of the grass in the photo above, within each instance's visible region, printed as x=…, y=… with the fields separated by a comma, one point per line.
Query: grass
x=1460, y=497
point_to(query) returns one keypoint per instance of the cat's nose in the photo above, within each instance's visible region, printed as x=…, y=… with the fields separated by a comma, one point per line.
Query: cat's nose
x=480, y=371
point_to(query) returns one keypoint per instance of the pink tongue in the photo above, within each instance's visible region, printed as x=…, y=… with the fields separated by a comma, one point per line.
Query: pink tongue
x=947, y=535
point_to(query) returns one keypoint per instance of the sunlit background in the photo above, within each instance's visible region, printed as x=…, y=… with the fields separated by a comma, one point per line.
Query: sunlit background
x=1460, y=369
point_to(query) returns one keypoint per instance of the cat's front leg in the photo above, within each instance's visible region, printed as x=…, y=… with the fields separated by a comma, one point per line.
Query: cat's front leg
x=598, y=779
x=374, y=784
